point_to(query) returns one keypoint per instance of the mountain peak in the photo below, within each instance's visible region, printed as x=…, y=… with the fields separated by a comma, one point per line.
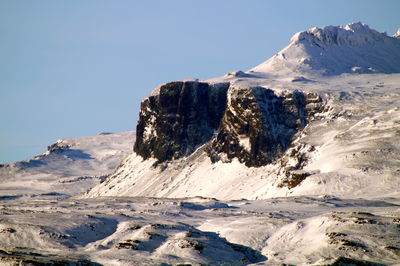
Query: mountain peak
x=355, y=34
x=333, y=50
x=397, y=34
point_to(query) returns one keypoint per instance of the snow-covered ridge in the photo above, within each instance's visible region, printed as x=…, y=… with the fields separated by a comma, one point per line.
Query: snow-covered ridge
x=354, y=34
x=397, y=34
x=334, y=50
x=70, y=166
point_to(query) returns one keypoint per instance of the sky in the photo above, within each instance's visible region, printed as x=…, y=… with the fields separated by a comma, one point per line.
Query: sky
x=79, y=68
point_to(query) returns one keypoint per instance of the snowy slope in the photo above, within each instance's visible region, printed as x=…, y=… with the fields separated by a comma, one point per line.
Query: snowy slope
x=152, y=231
x=353, y=150
x=332, y=50
x=71, y=166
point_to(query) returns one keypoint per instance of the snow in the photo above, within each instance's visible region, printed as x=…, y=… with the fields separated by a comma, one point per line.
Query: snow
x=355, y=151
x=77, y=167
x=397, y=34
x=245, y=142
x=334, y=50
x=92, y=199
x=131, y=231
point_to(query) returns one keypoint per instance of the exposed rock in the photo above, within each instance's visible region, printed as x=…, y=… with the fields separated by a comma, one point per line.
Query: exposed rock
x=58, y=147
x=128, y=244
x=293, y=179
x=11, y=257
x=7, y=230
x=181, y=117
x=292, y=164
x=254, y=124
x=188, y=243
x=258, y=125
x=237, y=73
x=349, y=261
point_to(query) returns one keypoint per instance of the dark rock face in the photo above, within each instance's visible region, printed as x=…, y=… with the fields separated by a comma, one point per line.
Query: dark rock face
x=181, y=117
x=258, y=125
x=252, y=124
x=57, y=147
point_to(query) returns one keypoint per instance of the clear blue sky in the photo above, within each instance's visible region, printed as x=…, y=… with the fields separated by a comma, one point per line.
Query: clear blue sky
x=78, y=68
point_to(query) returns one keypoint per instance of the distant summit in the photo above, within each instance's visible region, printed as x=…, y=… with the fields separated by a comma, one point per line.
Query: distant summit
x=397, y=34
x=332, y=50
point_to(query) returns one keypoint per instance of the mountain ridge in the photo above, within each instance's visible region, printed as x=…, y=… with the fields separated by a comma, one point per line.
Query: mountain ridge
x=333, y=50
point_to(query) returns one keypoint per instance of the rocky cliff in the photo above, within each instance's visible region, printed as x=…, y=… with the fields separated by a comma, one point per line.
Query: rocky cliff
x=182, y=116
x=253, y=124
x=319, y=117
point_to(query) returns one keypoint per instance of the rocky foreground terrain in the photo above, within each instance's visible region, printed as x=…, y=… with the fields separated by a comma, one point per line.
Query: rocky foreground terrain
x=296, y=161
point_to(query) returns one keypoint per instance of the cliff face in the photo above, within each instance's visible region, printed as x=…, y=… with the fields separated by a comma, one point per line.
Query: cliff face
x=285, y=127
x=258, y=125
x=253, y=124
x=182, y=116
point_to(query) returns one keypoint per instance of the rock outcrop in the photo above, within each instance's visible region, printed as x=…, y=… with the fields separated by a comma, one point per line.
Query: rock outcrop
x=258, y=125
x=181, y=117
x=254, y=124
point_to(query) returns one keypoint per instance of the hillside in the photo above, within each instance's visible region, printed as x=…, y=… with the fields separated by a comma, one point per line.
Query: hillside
x=319, y=128
x=69, y=167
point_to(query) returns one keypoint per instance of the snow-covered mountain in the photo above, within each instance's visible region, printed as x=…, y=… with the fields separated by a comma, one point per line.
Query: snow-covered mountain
x=296, y=161
x=69, y=167
x=332, y=50
x=268, y=133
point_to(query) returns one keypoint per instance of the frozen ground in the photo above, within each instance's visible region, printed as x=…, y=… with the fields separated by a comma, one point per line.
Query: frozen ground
x=152, y=231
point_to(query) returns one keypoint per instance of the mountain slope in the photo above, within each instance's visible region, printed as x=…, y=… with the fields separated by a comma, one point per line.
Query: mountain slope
x=267, y=133
x=350, y=151
x=70, y=166
x=332, y=50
